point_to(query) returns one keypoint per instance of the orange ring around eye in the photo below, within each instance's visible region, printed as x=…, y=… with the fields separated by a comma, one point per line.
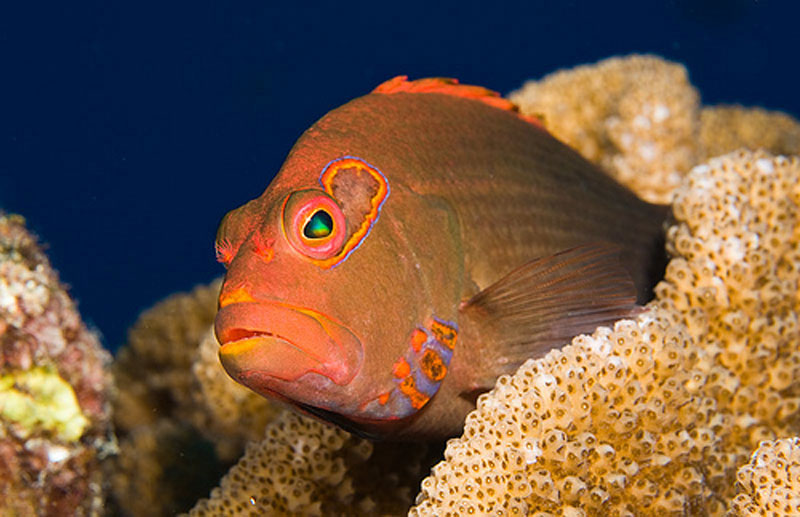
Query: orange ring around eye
x=298, y=209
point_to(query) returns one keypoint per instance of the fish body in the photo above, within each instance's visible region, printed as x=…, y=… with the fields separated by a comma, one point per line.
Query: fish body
x=418, y=242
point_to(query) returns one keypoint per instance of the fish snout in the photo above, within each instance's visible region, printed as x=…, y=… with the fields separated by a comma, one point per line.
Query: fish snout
x=264, y=339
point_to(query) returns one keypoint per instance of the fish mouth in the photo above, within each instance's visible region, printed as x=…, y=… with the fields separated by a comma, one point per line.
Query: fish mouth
x=268, y=339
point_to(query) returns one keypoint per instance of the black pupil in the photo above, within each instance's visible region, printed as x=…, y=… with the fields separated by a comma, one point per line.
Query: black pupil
x=319, y=225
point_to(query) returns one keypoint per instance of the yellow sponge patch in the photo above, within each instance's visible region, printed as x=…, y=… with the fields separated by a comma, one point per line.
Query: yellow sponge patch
x=40, y=400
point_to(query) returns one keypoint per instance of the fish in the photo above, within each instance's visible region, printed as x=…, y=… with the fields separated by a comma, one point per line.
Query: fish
x=417, y=243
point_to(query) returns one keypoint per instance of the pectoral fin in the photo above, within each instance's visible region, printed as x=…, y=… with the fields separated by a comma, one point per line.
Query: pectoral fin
x=546, y=302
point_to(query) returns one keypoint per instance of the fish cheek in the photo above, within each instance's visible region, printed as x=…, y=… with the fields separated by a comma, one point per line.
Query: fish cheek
x=429, y=228
x=408, y=273
x=375, y=294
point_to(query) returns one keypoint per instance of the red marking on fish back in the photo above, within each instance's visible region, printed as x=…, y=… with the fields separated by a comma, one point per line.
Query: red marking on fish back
x=401, y=368
x=418, y=338
x=450, y=86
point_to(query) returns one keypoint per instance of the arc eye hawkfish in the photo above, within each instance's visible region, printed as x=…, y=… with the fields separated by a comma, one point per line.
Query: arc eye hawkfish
x=417, y=243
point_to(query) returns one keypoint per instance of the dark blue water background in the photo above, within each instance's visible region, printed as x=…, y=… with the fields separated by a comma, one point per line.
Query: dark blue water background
x=127, y=129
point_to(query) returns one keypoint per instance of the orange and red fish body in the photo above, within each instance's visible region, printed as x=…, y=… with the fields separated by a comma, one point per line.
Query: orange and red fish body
x=418, y=242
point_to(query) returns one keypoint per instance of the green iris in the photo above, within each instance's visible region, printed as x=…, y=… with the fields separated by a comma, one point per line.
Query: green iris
x=320, y=225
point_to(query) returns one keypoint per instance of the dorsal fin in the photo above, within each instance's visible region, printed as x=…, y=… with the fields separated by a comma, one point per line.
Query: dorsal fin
x=451, y=86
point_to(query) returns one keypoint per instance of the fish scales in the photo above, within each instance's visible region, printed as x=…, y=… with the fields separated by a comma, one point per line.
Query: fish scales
x=512, y=175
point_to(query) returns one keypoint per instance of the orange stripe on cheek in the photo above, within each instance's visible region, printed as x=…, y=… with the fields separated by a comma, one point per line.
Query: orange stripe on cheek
x=384, y=398
x=235, y=296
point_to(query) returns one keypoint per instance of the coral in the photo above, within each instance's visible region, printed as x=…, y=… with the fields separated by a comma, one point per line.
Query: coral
x=724, y=129
x=163, y=342
x=636, y=116
x=173, y=395
x=639, y=118
x=770, y=483
x=654, y=416
x=597, y=427
x=734, y=282
x=54, y=414
x=163, y=468
x=305, y=467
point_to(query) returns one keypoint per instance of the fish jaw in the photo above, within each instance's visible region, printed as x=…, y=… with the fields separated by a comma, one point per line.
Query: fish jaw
x=266, y=341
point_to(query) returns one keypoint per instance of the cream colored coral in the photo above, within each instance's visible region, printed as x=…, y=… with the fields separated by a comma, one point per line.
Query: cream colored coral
x=654, y=416
x=157, y=466
x=770, y=483
x=636, y=116
x=163, y=342
x=734, y=281
x=305, y=467
x=598, y=427
x=724, y=129
x=304, y=463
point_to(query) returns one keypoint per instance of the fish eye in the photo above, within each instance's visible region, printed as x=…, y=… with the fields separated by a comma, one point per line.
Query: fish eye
x=319, y=225
x=313, y=224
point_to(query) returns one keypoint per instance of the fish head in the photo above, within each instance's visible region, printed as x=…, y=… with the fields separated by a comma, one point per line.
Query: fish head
x=329, y=273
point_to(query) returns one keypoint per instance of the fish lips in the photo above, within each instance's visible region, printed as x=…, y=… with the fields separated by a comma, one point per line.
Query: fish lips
x=264, y=339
